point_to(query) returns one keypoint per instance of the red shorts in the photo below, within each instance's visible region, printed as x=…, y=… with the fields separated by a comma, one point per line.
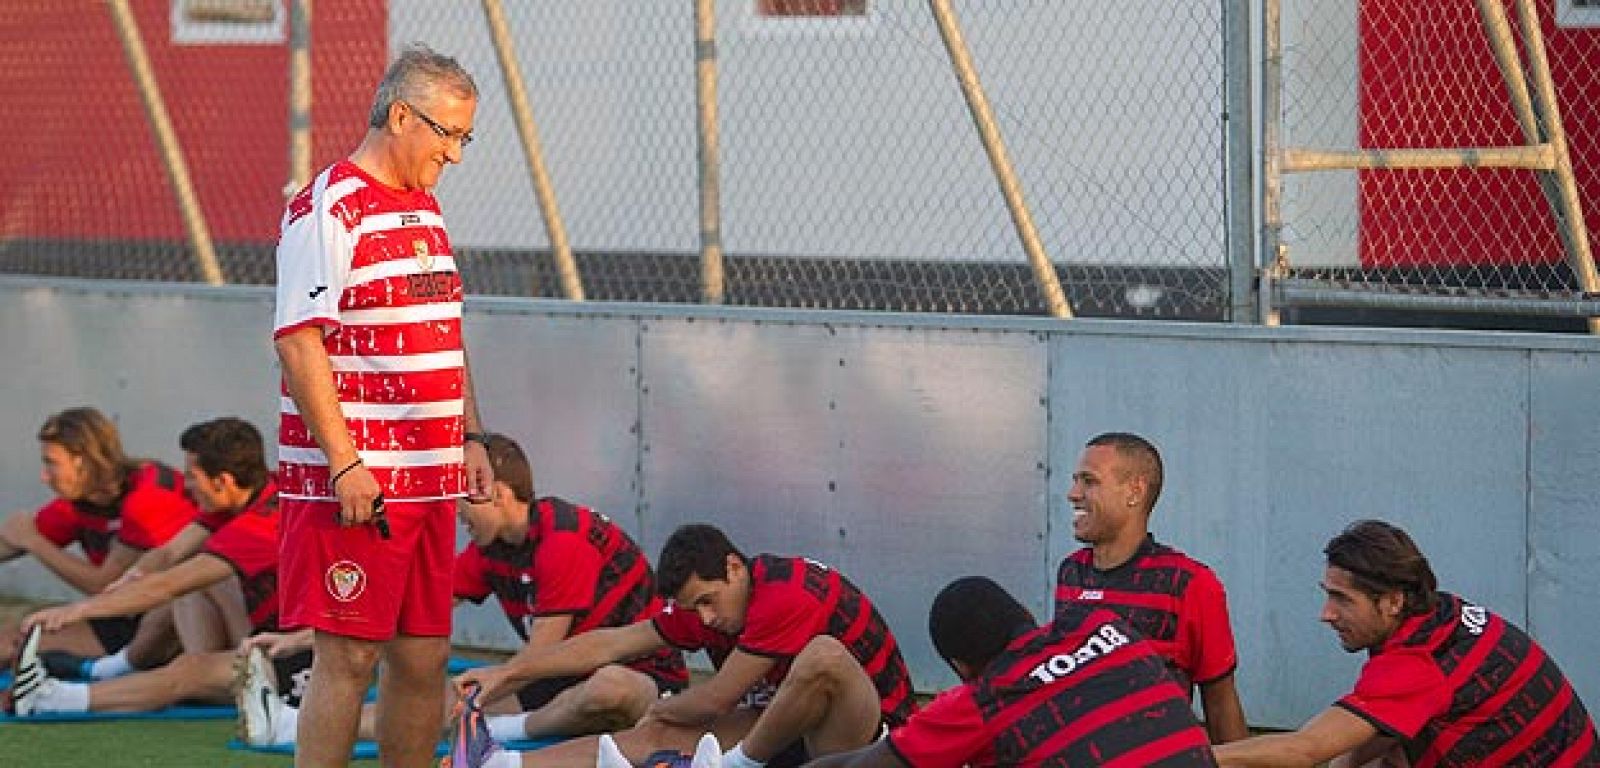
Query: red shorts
x=351, y=581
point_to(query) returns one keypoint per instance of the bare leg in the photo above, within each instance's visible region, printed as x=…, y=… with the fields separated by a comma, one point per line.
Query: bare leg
x=212, y=619
x=827, y=699
x=76, y=638
x=411, y=700
x=341, y=670
x=205, y=677
x=641, y=740
x=611, y=699
x=156, y=641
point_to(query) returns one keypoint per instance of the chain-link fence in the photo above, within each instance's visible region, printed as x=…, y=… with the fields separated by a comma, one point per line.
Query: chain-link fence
x=1403, y=75
x=849, y=169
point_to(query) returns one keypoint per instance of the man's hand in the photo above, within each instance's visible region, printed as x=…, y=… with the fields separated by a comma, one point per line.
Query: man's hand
x=278, y=644
x=19, y=531
x=53, y=619
x=493, y=681
x=480, y=473
x=356, y=491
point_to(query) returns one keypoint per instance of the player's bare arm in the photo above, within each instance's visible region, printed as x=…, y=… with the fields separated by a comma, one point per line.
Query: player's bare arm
x=198, y=572
x=177, y=549
x=309, y=375
x=875, y=755
x=577, y=655
x=704, y=703
x=19, y=531
x=1224, y=714
x=480, y=473
x=1334, y=732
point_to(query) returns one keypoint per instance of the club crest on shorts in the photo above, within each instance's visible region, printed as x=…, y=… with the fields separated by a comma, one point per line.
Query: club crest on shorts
x=345, y=581
x=424, y=256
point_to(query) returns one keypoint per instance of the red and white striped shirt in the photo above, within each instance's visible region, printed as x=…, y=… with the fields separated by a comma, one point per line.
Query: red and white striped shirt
x=373, y=267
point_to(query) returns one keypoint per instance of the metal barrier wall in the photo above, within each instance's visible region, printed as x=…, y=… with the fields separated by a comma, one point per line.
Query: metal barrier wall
x=909, y=450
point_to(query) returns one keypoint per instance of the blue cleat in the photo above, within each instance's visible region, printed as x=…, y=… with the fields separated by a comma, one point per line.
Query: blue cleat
x=470, y=743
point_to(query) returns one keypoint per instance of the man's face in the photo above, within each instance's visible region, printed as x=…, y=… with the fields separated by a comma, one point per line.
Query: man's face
x=62, y=472
x=720, y=603
x=1105, y=495
x=1361, y=621
x=207, y=490
x=423, y=152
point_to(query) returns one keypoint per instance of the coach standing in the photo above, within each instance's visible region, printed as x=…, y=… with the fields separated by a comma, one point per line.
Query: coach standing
x=379, y=433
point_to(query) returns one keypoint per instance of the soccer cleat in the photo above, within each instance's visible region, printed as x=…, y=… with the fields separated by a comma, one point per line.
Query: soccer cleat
x=470, y=742
x=29, y=680
x=608, y=755
x=62, y=665
x=707, y=754
x=257, y=698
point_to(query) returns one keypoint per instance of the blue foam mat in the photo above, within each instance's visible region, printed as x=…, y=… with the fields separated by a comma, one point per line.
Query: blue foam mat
x=366, y=750
x=170, y=713
x=456, y=666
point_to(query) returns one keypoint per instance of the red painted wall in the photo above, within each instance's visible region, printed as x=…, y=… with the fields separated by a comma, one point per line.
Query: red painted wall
x=1427, y=79
x=81, y=157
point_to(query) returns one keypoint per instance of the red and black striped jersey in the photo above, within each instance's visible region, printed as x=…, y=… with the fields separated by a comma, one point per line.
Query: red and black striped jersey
x=248, y=541
x=575, y=561
x=1083, y=690
x=795, y=599
x=1172, y=599
x=152, y=509
x=1461, y=686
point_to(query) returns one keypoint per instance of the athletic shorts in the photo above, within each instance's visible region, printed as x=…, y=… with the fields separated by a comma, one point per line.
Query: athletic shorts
x=350, y=581
x=114, y=632
x=292, y=673
x=541, y=692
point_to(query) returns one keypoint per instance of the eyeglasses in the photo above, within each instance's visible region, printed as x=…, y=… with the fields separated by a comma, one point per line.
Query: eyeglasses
x=464, y=138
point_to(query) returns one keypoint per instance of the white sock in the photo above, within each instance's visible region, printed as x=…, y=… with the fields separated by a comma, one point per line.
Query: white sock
x=736, y=758
x=107, y=667
x=63, y=696
x=506, y=728
x=284, y=723
x=504, y=759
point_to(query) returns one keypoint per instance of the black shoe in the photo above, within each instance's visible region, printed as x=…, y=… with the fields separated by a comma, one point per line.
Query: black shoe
x=62, y=665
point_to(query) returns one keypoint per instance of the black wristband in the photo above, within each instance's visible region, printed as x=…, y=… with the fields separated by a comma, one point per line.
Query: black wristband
x=333, y=482
x=481, y=438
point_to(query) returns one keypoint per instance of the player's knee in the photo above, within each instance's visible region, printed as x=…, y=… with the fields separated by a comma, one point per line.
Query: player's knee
x=345, y=657
x=823, y=659
x=614, y=688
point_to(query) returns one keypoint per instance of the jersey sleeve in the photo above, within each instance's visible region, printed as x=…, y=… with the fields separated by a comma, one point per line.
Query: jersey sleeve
x=314, y=252
x=1208, y=630
x=781, y=619
x=948, y=733
x=152, y=515
x=1398, y=692
x=57, y=521
x=249, y=543
x=566, y=571
x=469, y=581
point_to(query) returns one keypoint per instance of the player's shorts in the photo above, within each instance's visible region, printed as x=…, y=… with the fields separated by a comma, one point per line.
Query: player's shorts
x=114, y=632
x=541, y=692
x=350, y=581
x=292, y=673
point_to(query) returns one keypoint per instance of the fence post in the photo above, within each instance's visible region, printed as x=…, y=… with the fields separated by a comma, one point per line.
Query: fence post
x=299, y=97
x=1044, y=272
x=528, y=131
x=712, y=279
x=171, y=154
x=1239, y=131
